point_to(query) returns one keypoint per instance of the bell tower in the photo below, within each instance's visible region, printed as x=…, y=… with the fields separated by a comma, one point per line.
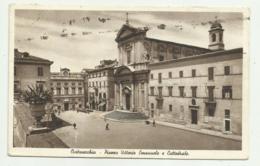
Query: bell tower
x=216, y=37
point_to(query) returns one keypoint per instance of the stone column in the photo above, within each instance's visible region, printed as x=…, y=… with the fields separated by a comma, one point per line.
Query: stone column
x=132, y=97
x=120, y=95
x=115, y=97
x=145, y=95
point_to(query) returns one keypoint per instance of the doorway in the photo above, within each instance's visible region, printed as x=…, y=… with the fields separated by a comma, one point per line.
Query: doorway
x=194, y=117
x=66, y=106
x=127, y=101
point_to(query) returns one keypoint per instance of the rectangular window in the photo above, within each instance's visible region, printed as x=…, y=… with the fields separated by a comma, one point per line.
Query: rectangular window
x=151, y=76
x=211, y=73
x=73, y=91
x=66, y=91
x=193, y=73
x=227, y=114
x=180, y=73
x=80, y=91
x=170, y=90
x=40, y=85
x=58, y=91
x=211, y=93
x=170, y=74
x=40, y=71
x=159, y=104
x=100, y=84
x=227, y=70
x=170, y=108
x=152, y=106
x=15, y=70
x=227, y=92
x=159, y=77
x=161, y=57
x=193, y=91
x=128, y=57
x=152, y=91
x=160, y=92
x=211, y=111
x=181, y=90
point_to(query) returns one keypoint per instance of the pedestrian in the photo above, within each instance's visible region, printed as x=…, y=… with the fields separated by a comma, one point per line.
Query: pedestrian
x=74, y=125
x=154, y=123
x=107, y=126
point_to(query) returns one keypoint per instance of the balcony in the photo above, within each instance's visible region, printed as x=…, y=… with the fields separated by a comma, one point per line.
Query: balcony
x=210, y=100
x=159, y=97
x=210, y=103
x=193, y=104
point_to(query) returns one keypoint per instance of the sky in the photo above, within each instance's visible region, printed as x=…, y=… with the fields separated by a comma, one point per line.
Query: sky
x=80, y=51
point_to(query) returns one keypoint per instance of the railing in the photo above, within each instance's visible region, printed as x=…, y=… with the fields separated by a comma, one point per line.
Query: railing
x=159, y=97
x=210, y=100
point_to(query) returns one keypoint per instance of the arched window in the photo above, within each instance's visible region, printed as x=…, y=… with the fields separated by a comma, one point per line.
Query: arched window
x=213, y=37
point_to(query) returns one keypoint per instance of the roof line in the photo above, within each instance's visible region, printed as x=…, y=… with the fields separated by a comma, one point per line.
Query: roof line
x=235, y=50
x=165, y=41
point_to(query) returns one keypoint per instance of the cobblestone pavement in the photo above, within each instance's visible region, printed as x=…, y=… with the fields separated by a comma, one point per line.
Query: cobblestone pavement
x=91, y=133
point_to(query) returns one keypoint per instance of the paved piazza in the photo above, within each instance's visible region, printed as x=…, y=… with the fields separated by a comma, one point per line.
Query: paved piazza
x=91, y=133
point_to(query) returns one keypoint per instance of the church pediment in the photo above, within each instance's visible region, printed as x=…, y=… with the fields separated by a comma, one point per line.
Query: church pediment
x=128, y=31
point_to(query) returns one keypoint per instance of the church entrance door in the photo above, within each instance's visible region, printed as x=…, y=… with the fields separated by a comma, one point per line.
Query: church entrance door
x=127, y=101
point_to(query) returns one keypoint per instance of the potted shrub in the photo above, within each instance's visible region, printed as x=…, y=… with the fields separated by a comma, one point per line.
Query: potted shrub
x=37, y=98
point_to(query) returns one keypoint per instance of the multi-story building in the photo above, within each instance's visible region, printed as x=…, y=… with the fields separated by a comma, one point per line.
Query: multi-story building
x=101, y=86
x=200, y=91
x=30, y=71
x=179, y=83
x=68, y=90
x=84, y=74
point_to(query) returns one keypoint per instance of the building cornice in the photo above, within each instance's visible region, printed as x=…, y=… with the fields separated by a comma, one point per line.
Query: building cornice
x=237, y=51
x=32, y=62
x=179, y=44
